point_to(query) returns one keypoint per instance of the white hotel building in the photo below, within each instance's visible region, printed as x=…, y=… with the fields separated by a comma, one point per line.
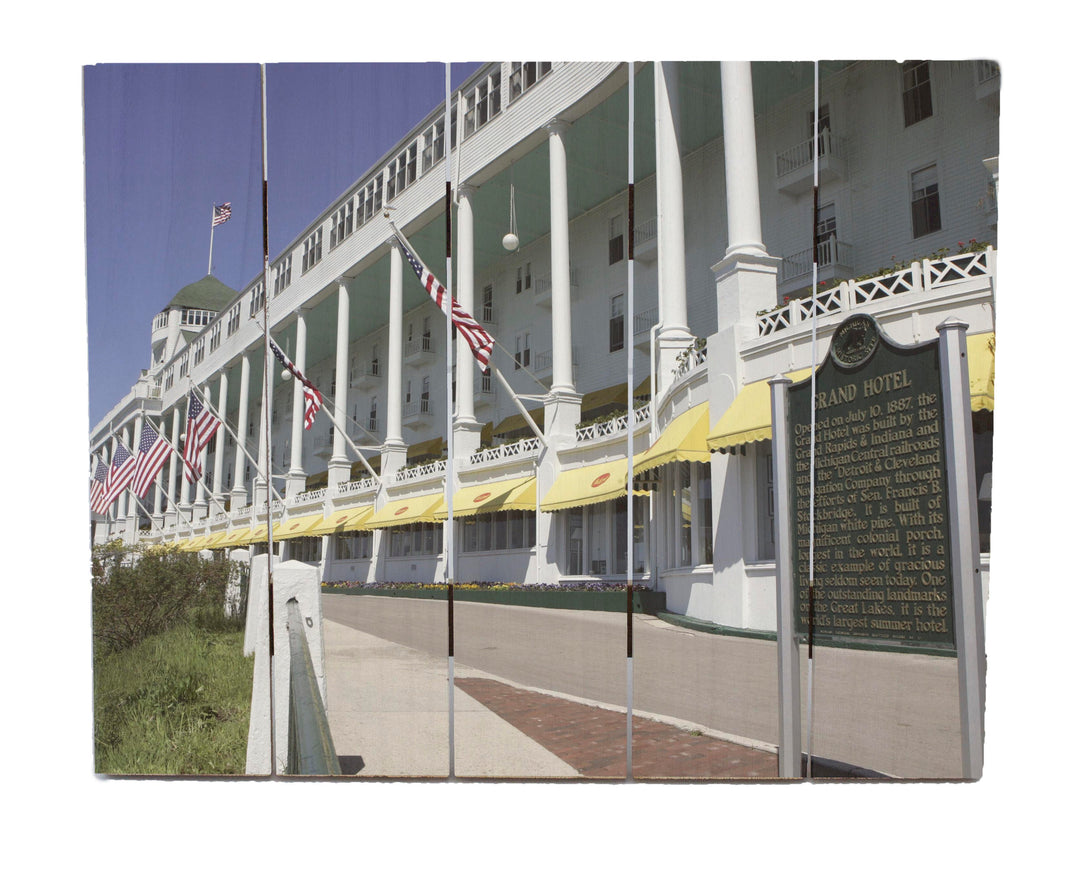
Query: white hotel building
x=723, y=162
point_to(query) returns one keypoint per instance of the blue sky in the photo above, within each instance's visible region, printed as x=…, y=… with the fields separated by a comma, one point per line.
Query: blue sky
x=166, y=141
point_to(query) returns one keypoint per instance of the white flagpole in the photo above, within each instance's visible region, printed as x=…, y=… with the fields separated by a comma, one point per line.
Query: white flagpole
x=448, y=547
x=267, y=397
x=813, y=442
x=210, y=263
x=628, y=341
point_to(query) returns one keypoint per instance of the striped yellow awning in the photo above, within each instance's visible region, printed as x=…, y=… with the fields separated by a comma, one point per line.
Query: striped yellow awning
x=749, y=418
x=217, y=539
x=179, y=544
x=342, y=521
x=257, y=534
x=587, y=485
x=514, y=494
x=197, y=543
x=235, y=537
x=294, y=527
x=415, y=509
x=981, y=349
x=683, y=440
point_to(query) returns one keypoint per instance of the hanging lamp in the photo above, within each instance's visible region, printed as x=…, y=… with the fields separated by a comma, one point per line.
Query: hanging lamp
x=510, y=239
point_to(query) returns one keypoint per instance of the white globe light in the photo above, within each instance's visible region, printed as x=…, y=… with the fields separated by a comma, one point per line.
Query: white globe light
x=510, y=241
x=285, y=374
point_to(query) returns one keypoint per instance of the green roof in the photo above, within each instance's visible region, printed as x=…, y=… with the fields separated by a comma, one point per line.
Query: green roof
x=207, y=294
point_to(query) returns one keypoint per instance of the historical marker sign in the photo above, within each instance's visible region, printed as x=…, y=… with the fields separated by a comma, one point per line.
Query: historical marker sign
x=882, y=569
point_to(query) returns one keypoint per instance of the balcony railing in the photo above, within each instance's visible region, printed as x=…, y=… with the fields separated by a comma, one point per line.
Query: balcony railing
x=414, y=410
x=613, y=426
x=417, y=473
x=309, y=496
x=645, y=320
x=362, y=485
x=850, y=294
x=831, y=253
x=522, y=448
x=802, y=154
x=417, y=347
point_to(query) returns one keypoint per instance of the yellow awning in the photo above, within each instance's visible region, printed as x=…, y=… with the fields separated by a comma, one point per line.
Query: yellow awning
x=257, y=534
x=413, y=510
x=196, y=544
x=179, y=544
x=587, y=485
x=749, y=418
x=981, y=349
x=294, y=527
x=429, y=448
x=342, y=521
x=512, y=494
x=516, y=422
x=217, y=539
x=615, y=395
x=682, y=440
x=236, y=537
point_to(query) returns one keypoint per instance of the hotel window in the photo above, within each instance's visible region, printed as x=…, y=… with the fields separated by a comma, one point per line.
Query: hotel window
x=766, y=499
x=375, y=359
x=684, y=515
x=703, y=523
x=615, y=239
x=425, y=393
x=925, y=206
x=410, y=167
x=169, y=379
x=525, y=74
x=183, y=366
x=434, y=144
x=522, y=354
x=415, y=539
x=371, y=198
x=524, y=277
x=826, y=234
x=312, y=251
x=342, y=226
x=487, y=309
x=282, y=274
x=215, y=336
x=598, y=532
x=234, y=319
x=427, y=334
x=373, y=415
x=199, y=352
x=616, y=324
x=258, y=299
x=498, y=531
x=917, y=102
x=470, y=115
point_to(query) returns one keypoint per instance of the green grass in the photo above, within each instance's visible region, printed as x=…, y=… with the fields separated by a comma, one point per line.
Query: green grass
x=175, y=704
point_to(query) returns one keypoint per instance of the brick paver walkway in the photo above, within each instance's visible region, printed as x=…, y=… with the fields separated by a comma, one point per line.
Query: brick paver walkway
x=593, y=739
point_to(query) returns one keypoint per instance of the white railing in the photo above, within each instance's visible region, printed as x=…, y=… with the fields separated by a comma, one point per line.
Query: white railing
x=524, y=447
x=543, y=284
x=830, y=252
x=422, y=344
x=918, y=277
x=242, y=511
x=645, y=320
x=419, y=472
x=802, y=154
x=348, y=488
x=419, y=408
x=307, y=496
x=645, y=232
x=613, y=426
x=691, y=358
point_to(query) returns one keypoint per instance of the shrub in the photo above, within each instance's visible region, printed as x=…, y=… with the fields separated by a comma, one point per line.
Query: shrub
x=138, y=593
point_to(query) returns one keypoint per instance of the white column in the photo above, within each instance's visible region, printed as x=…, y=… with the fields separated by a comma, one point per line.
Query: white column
x=394, y=446
x=296, y=479
x=466, y=428
x=132, y=440
x=122, y=500
x=740, y=160
x=200, y=508
x=674, y=336
x=239, y=489
x=671, y=241
x=562, y=374
x=339, y=466
x=219, y=448
x=159, y=495
x=260, y=491
x=175, y=464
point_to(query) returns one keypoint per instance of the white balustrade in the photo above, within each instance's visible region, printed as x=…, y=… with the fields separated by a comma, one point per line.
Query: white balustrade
x=524, y=447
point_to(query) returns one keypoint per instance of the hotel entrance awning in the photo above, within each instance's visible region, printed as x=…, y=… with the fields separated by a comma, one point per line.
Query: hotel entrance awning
x=683, y=440
x=415, y=509
x=514, y=494
x=342, y=521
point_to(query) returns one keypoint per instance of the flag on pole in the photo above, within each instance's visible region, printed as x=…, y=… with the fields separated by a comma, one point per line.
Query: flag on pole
x=97, y=488
x=120, y=475
x=152, y=454
x=201, y=426
x=312, y=397
x=222, y=213
x=479, y=341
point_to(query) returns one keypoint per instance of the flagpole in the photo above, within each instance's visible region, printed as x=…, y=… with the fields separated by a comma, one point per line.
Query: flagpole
x=266, y=420
x=627, y=340
x=813, y=443
x=179, y=516
x=210, y=263
x=448, y=548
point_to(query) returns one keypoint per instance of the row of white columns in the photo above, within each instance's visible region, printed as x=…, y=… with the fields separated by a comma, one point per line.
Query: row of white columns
x=744, y=236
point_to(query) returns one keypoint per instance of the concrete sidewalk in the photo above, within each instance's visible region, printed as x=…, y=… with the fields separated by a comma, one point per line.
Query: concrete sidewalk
x=387, y=706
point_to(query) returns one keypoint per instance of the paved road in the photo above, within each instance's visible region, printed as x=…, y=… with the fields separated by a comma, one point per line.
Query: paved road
x=893, y=713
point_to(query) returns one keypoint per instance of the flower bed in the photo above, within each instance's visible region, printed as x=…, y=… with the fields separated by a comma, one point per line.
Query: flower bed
x=601, y=596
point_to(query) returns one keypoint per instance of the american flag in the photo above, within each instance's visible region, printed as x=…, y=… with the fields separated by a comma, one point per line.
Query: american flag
x=120, y=475
x=97, y=488
x=201, y=426
x=153, y=452
x=312, y=397
x=222, y=213
x=479, y=341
